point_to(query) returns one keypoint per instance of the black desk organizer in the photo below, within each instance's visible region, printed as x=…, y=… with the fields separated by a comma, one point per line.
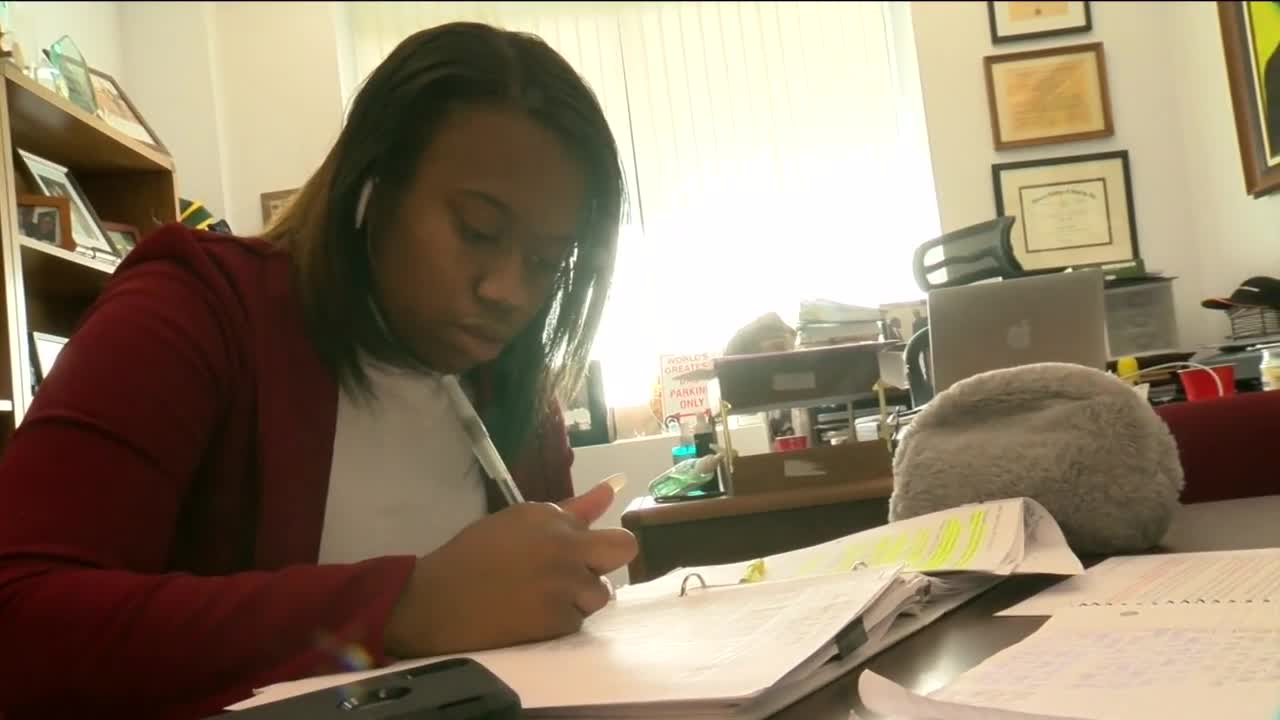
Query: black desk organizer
x=458, y=689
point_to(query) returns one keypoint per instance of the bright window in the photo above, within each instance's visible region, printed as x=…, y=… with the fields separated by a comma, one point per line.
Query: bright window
x=775, y=152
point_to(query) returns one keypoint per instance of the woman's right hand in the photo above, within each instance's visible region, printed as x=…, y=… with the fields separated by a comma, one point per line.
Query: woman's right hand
x=528, y=572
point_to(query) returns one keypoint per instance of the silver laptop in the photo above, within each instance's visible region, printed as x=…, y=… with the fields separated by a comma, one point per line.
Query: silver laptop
x=1043, y=318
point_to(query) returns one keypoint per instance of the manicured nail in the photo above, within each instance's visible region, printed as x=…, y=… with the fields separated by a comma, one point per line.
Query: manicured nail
x=617, y=481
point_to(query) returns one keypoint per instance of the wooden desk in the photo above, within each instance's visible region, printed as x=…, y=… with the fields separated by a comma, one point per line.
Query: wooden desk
x=933, y=657
x=732, y=529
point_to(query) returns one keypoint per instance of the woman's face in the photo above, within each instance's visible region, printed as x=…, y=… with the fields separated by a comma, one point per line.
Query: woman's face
x=473, y=250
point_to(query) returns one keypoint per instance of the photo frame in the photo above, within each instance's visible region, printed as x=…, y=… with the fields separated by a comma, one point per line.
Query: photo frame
x=46, y=218
x=1251, y=48
x=45, y=349
x=65, y=55
x=1011, y=21
x=115, y=107
x=124, y=238
x=1054, y=95
x=275, y=201
x=53, y=179
x=1070, y=212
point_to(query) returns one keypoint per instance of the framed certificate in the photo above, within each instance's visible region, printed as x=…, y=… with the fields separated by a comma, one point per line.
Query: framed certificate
x=1048, y=96
x=1069, y=211
x=1251, y=42
x=1025, y=20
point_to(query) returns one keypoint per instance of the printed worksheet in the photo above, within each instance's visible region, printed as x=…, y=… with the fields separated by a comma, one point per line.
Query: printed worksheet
x=1168, y=662
x=1231, y=577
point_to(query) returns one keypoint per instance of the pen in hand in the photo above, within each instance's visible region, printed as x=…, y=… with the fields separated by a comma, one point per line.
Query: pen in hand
x=481, y=443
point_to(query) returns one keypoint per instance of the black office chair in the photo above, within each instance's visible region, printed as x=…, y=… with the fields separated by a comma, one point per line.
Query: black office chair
x=965, y=256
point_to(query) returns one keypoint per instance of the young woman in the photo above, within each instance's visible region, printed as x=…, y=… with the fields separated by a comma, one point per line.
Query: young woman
x=244, y=468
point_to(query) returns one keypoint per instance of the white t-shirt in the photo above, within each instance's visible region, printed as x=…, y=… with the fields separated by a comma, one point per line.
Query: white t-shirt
x=403, y=479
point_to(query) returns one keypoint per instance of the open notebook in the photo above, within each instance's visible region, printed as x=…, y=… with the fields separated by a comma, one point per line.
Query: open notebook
x=744, y=640
x=740, y=650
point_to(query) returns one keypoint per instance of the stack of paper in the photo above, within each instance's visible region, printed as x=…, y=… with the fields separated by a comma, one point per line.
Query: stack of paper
x=734, y=651
x=747, y=639
x=1170, y=662
x=1000, y=538
x=823, y=322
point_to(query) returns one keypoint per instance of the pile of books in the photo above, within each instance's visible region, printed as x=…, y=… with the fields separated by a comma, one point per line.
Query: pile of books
x=824, y=322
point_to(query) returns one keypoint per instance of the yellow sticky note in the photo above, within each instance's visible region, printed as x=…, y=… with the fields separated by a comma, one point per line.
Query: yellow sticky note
x=754, y=573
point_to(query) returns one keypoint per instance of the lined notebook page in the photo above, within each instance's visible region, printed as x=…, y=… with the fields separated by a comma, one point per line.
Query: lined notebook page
x=1230, y=577
x=1170, y=662
x=720, y=643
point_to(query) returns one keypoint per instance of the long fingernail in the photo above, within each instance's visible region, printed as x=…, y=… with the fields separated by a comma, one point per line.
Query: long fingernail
x=617, y=481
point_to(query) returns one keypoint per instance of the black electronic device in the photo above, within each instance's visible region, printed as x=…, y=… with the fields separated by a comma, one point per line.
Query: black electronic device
x=456, y=689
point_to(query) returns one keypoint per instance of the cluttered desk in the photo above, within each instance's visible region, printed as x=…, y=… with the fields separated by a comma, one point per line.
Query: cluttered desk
x=938, y=617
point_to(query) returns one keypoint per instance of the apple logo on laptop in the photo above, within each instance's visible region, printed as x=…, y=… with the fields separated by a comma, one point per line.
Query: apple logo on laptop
x=1019, y=336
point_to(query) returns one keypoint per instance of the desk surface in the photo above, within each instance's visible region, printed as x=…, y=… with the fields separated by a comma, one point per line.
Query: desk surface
x=644, y=512
x=960, y=640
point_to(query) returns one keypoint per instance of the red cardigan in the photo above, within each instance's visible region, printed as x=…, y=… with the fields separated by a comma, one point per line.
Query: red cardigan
x=162, y=502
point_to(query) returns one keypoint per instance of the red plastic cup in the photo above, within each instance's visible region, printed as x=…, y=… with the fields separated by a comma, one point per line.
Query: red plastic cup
x=1199, y=384
x=790, y=443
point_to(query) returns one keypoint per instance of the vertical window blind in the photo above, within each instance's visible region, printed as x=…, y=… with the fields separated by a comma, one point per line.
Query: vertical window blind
x=774, y=152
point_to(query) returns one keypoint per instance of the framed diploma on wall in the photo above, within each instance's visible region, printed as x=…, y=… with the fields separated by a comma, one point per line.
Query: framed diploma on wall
x=1048, y=96
x=1025, y=20
x=1070, y=211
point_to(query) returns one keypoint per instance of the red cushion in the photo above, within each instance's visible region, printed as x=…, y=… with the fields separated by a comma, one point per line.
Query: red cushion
x=1230, y=446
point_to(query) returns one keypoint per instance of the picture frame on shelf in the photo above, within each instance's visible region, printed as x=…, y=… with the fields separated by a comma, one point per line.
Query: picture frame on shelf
x=1053, y=95
x=115, y=107
x=65, y=55
x=46, y=218
x=1012, y=21
x=1251, y=49
x=86, y=229
x=275, y=201
x=124, y=237
x=1070, y=212
x=44, y=352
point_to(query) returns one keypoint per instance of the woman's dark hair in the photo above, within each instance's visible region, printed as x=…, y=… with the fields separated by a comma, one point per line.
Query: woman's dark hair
x=391, y=123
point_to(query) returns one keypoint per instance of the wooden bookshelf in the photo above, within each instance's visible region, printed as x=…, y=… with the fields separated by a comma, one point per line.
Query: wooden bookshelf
x=48, y=288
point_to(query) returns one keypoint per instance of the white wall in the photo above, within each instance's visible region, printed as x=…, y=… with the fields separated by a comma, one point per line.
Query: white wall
x=94, y=26
x=169, y=77
x=246, y=95
x=1172, y=112
x=280, y=94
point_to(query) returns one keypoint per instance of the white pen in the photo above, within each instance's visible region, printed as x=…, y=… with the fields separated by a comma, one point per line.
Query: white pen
x=481, y=443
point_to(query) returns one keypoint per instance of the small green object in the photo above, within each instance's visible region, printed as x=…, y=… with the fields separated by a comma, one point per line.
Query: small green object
x=685, y=476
